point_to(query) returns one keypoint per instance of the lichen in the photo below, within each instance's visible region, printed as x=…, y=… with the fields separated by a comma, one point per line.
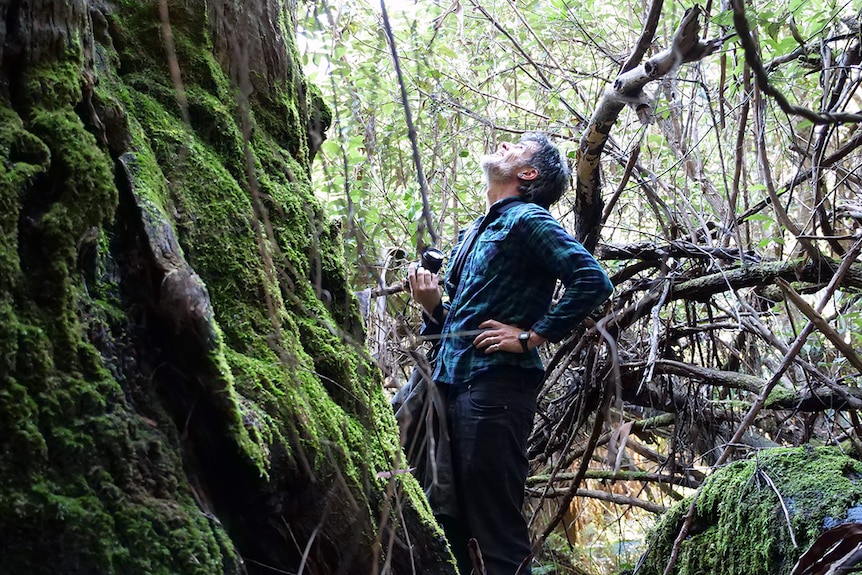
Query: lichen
x=741, y=525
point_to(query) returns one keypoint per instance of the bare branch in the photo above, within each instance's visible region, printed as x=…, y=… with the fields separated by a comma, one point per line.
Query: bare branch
x=753, y=58
x=820, y=322
x=619, y=476
x=602, y=495
x=627, y=89
x=646, y=37
x=411, y=132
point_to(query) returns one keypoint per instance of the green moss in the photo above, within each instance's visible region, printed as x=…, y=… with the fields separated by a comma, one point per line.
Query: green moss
x=740, y=527
x=779, y=395
x=96, y=473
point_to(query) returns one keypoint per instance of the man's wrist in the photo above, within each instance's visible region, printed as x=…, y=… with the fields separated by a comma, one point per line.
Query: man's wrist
x=530, y=340
x=438, y=314
x=535, y=340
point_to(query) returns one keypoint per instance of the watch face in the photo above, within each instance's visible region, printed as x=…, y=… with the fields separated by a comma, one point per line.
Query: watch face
x=524, y=335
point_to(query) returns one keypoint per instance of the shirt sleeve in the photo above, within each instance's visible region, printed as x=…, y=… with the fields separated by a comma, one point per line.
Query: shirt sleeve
x=587, y=285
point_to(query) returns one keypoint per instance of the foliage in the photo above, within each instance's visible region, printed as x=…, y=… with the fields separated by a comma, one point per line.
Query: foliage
x=706, y=207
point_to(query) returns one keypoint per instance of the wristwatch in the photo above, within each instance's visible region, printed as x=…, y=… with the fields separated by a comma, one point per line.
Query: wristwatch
x=524, y=338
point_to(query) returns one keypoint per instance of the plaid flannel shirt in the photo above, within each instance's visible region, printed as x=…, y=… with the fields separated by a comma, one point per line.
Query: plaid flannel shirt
x=510, y=276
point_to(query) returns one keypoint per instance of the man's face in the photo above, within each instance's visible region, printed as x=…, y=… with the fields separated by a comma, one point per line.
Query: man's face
x=504, y=164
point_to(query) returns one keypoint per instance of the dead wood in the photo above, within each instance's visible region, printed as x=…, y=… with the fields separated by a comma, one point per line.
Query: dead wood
x=701, y=288
x=627, y=89
x=618, y=476
x=615, y=498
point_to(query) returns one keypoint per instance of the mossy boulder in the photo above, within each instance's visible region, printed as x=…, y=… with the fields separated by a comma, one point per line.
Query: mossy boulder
x=183, y=387
x=756, y=517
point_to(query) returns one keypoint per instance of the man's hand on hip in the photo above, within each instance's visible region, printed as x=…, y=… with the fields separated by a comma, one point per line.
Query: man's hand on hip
x=504, y=337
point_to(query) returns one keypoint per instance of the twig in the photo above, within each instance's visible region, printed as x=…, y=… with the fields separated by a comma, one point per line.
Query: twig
x=839, y=154
x=411, y=131
x=739, y=150
x=751, y=56
x=783, y=506
x=624, y=181
x=766, y=175
x=546, y=83
x=819, y=321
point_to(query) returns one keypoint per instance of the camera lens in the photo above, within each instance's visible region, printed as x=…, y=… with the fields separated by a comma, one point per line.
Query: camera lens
x=432, y=260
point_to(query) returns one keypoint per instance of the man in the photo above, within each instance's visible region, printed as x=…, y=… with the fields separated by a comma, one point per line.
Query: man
x=500, y=285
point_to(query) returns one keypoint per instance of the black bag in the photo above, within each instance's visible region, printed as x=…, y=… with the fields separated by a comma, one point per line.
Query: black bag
x=420, y=410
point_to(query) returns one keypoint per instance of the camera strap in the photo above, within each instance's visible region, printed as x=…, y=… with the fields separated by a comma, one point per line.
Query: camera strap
x=456, y=266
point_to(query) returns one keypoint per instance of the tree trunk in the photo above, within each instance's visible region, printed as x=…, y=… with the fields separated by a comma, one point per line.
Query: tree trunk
x=180, y=387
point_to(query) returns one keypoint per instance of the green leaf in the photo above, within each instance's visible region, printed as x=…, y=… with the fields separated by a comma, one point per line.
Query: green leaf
x=787, y=45
x=772, y=29
x=444, y=51
x=723, y=18
x=796, y=4
x=330, y=148
x=760, y=218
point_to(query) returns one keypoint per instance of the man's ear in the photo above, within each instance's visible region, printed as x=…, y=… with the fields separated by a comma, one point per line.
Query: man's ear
x=528, y=173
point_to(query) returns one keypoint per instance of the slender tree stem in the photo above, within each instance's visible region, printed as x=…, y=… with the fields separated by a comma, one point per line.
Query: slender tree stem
x=411, y=133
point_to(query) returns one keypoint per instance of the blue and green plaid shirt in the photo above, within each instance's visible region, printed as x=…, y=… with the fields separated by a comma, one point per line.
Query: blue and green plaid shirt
x=510, y=276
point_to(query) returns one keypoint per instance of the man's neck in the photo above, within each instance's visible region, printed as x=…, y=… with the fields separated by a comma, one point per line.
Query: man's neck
x=499, y=190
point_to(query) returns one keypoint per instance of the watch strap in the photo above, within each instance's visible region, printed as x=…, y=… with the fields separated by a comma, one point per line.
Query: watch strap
x=525, y=340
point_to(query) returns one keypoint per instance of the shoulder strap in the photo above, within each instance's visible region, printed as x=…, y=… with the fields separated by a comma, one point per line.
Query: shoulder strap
x=456, y=266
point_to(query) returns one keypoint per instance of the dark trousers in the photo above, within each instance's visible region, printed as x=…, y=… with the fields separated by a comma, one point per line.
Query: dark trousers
x=490, y=419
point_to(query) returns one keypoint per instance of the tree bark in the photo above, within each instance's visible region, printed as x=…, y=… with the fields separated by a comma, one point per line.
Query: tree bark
x=180, y=387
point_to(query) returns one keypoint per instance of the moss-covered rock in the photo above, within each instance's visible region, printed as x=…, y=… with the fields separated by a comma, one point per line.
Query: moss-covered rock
x=747, y=511
x=181, y=390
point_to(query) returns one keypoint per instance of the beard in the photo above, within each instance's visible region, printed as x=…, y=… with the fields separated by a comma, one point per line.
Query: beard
x=496, y=168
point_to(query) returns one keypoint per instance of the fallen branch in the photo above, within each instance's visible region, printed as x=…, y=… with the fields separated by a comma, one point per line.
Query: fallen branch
x=809, y=399
x=618, y=476
x=675, y=249
x=702, y=288
x=602, y=495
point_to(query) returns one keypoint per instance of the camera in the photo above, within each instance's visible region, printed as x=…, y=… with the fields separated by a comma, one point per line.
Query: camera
x=431, y=260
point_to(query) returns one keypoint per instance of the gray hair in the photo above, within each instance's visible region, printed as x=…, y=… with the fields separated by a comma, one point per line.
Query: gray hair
x=554, y=173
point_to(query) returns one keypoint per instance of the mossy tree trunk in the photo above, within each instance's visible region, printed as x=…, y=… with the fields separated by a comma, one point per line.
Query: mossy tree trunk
x=180, y=387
